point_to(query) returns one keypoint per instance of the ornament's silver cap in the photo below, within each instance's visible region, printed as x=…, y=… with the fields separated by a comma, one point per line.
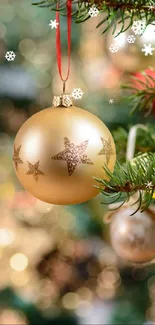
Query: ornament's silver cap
x=64, y=100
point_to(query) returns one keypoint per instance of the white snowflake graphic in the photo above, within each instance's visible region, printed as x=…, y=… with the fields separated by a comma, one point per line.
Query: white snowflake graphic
x=10, y=56
x=149, y=185
x=77, y=93
x=93, y=11
x=53, y=24
x=131, y=39
x=114, y=48
x=148, y=49
x=138, y=27
x=152, y=5
x=111, y=101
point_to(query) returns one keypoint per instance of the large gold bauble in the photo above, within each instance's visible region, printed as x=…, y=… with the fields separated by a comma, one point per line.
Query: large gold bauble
x=59, y=150
x=133, y=237
x=129, y=57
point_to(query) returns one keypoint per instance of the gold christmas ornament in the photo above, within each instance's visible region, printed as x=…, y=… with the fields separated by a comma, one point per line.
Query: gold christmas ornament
x=59, y=150
x=129, y=56
x=133, y=237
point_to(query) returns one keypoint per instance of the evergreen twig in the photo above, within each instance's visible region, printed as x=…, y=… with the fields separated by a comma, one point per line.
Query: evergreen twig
x=142, y=92
x=110, y=9
x=137, y=175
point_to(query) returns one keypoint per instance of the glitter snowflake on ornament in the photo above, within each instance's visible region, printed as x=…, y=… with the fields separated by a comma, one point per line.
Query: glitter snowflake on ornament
x=93, y=11
x=53, y=24
x=148, y=49
x=77, y=93
x=114, y=48
x=10, y=56
x=131, y=39
x=138, y=27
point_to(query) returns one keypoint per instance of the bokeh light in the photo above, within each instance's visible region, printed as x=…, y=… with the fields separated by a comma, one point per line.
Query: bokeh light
x=19, y=262
x=58, y=258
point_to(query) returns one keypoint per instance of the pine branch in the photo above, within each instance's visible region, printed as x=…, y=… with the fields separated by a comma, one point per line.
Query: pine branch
x=128, y=5
x=110, y=9
x=142, y=90
x=137, y=176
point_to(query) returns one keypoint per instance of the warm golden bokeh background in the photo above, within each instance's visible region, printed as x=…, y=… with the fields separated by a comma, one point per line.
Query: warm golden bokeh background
x=56, y=265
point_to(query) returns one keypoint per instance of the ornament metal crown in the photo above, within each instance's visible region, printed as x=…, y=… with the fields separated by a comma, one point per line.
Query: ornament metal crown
x=64, y=100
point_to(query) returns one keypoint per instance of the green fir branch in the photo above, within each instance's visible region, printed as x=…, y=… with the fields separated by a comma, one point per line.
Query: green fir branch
x=110, y=10
x=142, y=93
x=136, y=176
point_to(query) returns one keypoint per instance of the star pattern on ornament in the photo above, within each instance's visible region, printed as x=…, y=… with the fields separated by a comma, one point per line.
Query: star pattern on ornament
x=34, y=170
x=73, y=155
x=16, y=157
x=107, y=149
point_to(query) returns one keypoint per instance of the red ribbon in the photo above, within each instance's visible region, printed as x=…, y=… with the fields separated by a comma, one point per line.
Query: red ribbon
x=58, y=39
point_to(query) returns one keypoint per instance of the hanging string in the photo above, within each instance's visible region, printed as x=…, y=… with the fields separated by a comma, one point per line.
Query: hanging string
x=131, y=143
x=58, y=41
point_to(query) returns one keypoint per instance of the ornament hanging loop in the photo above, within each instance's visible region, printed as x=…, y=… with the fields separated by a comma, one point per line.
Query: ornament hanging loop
x=64, y=86
x=58, y=41
x=131, y=143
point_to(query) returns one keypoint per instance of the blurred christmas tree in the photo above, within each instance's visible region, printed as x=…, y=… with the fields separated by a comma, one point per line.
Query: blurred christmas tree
x=57, y=264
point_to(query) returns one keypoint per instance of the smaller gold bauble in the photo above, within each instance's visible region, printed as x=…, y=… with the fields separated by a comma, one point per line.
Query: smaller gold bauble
x=133, y=237
x=59, y=150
